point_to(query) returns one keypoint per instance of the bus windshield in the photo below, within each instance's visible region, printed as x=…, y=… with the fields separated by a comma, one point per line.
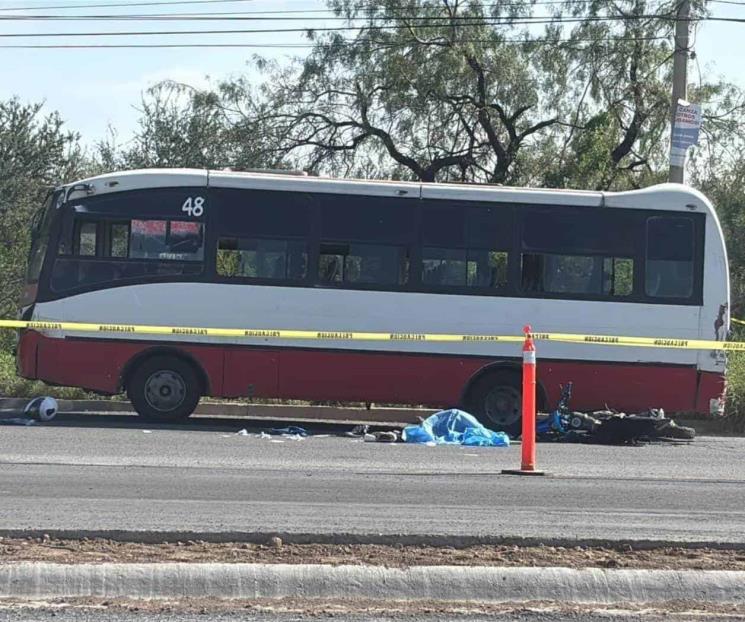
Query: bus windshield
x=40, y=238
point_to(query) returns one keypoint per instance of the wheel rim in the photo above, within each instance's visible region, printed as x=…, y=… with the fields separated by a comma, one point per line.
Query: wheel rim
x=165, y=390
x=503, y=406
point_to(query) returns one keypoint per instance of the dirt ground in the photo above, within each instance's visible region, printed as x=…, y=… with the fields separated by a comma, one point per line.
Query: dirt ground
x=390, y=610
x=275, y=551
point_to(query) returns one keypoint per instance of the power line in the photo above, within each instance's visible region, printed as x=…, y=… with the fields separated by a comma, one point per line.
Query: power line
x=202, y=45
x=470, y=21
x=280, y=11
x=139, y=33
x=117, y=5
x=439, y=21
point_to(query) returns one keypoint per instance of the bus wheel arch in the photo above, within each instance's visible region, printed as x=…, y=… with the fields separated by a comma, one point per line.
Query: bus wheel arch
x=164, y=384
x=495, y=391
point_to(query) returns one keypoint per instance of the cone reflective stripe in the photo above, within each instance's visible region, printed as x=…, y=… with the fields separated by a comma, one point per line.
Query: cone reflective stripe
x=528, y=414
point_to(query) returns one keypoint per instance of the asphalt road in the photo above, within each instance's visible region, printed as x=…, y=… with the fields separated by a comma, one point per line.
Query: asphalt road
x=108, y=473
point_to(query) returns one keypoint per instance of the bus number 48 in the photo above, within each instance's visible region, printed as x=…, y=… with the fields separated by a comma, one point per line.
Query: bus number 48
x=193, y=206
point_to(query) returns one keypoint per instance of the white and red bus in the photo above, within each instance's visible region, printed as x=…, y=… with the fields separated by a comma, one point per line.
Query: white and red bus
x=271, y=251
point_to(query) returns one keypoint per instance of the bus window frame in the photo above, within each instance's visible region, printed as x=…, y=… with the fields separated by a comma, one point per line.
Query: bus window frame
x=638, y=295
x=513, y=287
x=64, y=223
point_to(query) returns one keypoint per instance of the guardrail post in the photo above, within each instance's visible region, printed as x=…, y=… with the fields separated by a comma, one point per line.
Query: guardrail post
x=527, y=462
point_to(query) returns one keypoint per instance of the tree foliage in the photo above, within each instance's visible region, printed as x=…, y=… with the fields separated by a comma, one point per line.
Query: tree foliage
x=572, y=94
x=36, y=152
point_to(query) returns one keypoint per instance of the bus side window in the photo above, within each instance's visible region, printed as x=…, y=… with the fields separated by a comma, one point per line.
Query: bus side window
x=372, y=264
x=85, y=239
x=365, y=241
x=148, y=239
x=169, y=240
x=331, y=264
x=118, y=245
x=444, y=266
x=670, y=251
x=262, y=258
x=466, y=246
x=578, y=252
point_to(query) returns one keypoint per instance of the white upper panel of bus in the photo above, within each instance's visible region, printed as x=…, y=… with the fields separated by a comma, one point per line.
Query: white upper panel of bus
x=142, y=179
x=672, y=197
x=505, y=194
x=268, y=181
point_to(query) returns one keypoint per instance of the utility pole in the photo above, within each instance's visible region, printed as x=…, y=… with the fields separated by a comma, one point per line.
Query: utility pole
x=680, y=75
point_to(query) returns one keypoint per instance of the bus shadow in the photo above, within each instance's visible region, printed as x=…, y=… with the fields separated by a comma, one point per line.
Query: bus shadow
x=202, y=423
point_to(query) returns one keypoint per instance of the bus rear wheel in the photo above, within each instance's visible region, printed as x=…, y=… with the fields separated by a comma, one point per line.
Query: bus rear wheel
x=164, y=389
x=496, y=400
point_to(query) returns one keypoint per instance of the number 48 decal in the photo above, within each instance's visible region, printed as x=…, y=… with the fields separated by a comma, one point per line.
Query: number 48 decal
x=193, y=206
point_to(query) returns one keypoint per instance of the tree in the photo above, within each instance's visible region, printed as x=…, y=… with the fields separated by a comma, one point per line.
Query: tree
x=36, y=152
x=430, y=88
x=181, y=126
x=178, y=127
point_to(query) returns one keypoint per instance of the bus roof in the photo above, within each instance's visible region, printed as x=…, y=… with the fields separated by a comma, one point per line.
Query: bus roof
x=663, y=196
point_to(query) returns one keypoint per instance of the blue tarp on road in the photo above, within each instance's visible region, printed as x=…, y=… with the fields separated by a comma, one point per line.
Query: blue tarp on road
x=454, y=427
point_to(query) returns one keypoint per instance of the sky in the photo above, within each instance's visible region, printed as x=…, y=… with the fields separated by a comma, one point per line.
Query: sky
x=94, y=89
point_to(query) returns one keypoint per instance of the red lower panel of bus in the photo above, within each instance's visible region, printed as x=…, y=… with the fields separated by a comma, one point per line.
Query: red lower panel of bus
x=433, y=380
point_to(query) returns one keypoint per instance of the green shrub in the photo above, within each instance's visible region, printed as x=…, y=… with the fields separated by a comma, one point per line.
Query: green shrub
x=735, y=403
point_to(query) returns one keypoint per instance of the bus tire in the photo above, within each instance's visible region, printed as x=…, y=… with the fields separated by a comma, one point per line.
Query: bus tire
x=495, y=399
x=164, y=389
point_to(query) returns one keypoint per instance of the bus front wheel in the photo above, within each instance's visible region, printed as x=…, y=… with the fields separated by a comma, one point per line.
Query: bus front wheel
x=164, y=388
x=496, y=400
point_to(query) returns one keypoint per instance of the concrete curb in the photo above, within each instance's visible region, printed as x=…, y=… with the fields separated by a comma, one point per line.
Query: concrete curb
x=336, y=414
x=310, y=581
x=249, y=411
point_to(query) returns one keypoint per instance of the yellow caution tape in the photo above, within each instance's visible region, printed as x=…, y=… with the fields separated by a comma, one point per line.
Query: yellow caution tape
x=259, y=333
x=736, y=321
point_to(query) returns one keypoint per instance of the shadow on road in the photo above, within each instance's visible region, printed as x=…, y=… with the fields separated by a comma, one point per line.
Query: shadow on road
x=200, y=423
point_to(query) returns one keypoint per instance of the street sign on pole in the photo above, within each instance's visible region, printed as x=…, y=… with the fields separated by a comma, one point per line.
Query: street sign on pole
x=685, y=131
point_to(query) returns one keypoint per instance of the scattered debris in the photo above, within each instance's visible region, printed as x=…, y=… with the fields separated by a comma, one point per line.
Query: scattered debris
x=357, y=431
x=387, y=436
x=292, y=430
x=42, y=409
x=454, y=427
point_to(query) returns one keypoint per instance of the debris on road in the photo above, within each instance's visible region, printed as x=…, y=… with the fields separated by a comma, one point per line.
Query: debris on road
x=39, y=409
x=386, y=436
x=42, y=408
x=357, y=431
x=289, y=431
x=454, y=427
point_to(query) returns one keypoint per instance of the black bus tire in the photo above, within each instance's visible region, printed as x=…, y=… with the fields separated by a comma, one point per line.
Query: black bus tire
x=495, y=400
x=164, y=389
